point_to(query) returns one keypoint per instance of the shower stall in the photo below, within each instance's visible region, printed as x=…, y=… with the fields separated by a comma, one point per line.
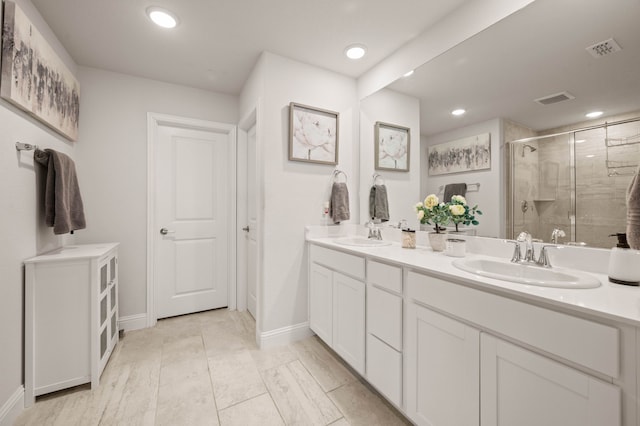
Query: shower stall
x=575, y=181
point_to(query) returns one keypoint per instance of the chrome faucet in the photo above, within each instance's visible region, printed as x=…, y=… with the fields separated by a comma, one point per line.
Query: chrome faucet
x=557, y=232
x=374, y=231
x=529, y=257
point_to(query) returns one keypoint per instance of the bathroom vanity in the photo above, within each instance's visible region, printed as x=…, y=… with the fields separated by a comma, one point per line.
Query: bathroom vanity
x=71, y=317
x=448, y=347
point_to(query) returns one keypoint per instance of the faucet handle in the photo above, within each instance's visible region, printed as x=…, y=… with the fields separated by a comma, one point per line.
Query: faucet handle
x=517, y=254
x=543, y=259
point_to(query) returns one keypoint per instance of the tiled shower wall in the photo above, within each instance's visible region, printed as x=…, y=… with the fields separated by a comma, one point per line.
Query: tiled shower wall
x=600, y=191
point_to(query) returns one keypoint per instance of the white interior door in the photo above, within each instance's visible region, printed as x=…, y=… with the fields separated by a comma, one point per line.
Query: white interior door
x=191, y=240
x=252, y=244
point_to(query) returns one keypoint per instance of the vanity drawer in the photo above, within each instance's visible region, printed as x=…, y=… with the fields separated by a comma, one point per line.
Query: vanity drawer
x=385, y=276
x=384, y=369
x=384, y=316
x=591, y=344
x=338, y=261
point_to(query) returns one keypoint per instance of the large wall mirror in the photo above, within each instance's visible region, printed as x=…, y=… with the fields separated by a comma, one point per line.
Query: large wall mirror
x=537, y=72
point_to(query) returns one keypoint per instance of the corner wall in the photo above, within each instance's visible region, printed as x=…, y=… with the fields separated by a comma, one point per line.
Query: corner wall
x=294, y=192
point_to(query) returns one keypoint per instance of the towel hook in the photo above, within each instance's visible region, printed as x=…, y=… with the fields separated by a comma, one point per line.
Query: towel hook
x=25, y=146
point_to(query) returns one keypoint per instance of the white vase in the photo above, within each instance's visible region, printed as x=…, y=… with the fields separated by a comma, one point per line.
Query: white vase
x=437, y=241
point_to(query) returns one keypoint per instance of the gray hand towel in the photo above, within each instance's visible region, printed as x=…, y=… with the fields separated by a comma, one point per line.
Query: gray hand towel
x=452, y=189
x=633, y=212
x=379, y=203
x=339, y=202
x=63, y=206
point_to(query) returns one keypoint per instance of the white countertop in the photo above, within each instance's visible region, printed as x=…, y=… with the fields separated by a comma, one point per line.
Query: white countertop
x=80, y=251
x=611, y=301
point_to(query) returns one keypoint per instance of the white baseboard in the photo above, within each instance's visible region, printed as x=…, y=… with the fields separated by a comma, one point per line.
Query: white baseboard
x=132, y=322
x=11, y=409
x=284, y=335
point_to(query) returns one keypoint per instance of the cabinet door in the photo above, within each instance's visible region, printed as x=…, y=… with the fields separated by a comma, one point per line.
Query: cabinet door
x=348, y=320
x=321, y=302
x=522, y=388
x=443, y=369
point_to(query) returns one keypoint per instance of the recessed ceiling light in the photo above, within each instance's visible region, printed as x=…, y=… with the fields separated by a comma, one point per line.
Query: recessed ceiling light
x=593, y=114
x=580, y=141
x=408, y=73
x=459, y=111
x=590, y=155
x=355, y=51
x=162, y=17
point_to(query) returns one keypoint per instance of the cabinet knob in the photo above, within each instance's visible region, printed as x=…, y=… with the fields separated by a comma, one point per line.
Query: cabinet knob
x=165, y=231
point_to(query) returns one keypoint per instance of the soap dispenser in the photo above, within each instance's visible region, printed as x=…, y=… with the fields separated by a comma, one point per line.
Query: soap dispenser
x=624, y=263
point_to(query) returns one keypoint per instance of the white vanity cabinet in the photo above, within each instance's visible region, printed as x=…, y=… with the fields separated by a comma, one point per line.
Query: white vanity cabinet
x=337, y=303
x=457, y=374
x=520, y=387
x=384, y=329
x=71, y=317
x=443, y=369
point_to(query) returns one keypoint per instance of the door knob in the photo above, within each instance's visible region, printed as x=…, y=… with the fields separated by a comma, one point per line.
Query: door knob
x=246, y=228
x=165, y=231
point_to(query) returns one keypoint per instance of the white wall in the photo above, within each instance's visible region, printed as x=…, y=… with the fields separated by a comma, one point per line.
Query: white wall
x=23, y=232
x=403, y=188
x=490, y=198
x=294, y=192
x=113, y=161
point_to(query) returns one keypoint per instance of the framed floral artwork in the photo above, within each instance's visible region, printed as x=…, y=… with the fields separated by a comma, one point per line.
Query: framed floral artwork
x=313, y=134
x=392, y=145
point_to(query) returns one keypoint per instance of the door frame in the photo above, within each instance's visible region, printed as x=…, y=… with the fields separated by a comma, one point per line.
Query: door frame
x=249, y=120
x=155, y=120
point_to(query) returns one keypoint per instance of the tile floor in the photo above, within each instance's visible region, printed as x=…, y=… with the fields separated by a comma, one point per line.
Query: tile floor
x=205, y=369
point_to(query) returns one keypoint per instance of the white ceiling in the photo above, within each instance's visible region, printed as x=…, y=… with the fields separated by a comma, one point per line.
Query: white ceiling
x=218, y=42
x=538, y=51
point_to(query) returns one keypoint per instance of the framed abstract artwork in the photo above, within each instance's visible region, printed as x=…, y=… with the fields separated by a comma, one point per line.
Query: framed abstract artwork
x=313, y=134
x=392, y=147
x=33, y=76
x=462, y=155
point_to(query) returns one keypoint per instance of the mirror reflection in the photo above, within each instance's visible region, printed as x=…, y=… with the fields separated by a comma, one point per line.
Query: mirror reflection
x=537, y=73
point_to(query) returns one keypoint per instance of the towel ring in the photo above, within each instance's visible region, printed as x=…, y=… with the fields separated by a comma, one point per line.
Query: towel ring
x=375, y=178
x=337, y=173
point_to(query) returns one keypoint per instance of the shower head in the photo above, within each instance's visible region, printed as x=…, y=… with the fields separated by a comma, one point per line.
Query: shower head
x=531, y=148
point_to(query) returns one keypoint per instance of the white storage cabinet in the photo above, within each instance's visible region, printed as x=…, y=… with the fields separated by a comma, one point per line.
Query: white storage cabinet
x=71, y=317
x=337, y=303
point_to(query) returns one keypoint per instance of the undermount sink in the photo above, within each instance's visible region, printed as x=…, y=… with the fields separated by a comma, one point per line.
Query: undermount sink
x=361, y=242
x=527, y=274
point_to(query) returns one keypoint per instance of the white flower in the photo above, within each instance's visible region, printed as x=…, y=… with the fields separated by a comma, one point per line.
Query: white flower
x=419, y=205
x=420, y=214
x=456, y=209
x=459, y=199
x=431, y=201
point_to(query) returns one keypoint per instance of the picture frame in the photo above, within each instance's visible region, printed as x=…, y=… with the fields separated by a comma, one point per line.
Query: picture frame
x=461, y=155
x=313, y=134
x=392, y=147
x=34, y=78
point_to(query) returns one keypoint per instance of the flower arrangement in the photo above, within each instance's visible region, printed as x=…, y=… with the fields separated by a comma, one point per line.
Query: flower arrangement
x=461, y=213
x=432, y=211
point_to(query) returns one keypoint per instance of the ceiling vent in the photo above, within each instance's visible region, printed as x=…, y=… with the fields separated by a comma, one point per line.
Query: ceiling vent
x=555, y=98
x=603, y=48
